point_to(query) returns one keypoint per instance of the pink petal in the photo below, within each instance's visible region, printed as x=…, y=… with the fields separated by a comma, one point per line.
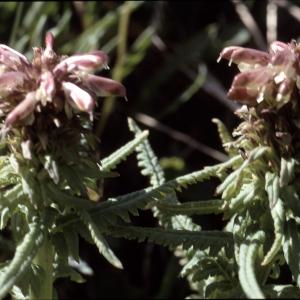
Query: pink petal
x=277, y=46
x=79, y=97
x=84, y=62
x=48, y=54
x=286, y=56
x=49, y=40
x=256, y=77
x=285, y=89
x=11, y=54
x=48, y=85
x=102, y=86
x=245, y=55
x=10, y=80
x=22, y=110
x=243, y=95
x=227, y=52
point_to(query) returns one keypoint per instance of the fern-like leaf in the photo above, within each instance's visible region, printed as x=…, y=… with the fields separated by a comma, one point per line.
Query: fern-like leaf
x=25, y=252
x=231, y=183
x=110, y=162
x=53, y=193
x=191, y=208
x=247, y=259
x=100, y=241
x=278, y=215
x=287, y=171
x=214, y=240
x=225, y=136
x=147, y=160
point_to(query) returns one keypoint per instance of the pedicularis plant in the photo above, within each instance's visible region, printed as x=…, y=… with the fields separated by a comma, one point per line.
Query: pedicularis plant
x=51, y=178
x=259, y=189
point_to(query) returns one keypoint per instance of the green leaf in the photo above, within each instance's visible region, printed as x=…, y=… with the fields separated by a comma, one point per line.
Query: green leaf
x=218, y=289
x=7, y=174
x=105, y=213
x=290, y=196
x=25, y=253
x=230, y=185
x=4, y=217
x=99, y=240
x=191, y=208
x=214, y=240
x=147, y=160
x=72, y=241
x=246, y=195
x=291, y=249
x=278, y=215
x=248, y=256
x=224, y=134
x=110, y=162
x=63, y=197
x=288, y=291
x=272, y=188
x=287, y=171
x=51, y=167
x=74, y=180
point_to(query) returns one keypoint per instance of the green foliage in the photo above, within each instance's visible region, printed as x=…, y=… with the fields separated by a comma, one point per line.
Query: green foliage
x=248, y=255
x=57, y=197
x=23, y=257
x=99, y=240
x=110, y=162
x=202, y=240
x=259, y=199
x=53, y=198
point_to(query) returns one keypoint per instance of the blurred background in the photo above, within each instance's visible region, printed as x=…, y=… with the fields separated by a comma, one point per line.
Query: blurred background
x=165, y=53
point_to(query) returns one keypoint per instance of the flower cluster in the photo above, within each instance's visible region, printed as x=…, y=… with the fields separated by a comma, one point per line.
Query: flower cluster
x=58, y=84
x=270, y=77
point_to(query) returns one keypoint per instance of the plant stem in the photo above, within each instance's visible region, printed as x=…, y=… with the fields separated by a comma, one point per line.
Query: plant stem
x=44, y=259
x=117, y=73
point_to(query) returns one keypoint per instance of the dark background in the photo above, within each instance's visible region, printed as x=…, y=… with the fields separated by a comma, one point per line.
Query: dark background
x=181, y=51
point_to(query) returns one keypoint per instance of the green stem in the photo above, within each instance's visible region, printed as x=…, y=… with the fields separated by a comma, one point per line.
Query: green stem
x=117, y=73
x=44, y=259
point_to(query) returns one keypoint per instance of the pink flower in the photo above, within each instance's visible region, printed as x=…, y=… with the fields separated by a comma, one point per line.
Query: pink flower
x=269, y=76
x=51, y=83
x=78, y=97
